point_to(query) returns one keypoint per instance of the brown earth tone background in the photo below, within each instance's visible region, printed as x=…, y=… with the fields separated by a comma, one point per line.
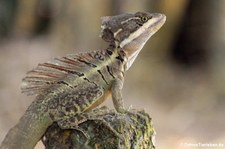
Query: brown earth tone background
x=178, y=78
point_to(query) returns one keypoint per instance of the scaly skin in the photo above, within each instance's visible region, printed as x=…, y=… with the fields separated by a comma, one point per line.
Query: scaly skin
x=64, y=99
x=71, y=85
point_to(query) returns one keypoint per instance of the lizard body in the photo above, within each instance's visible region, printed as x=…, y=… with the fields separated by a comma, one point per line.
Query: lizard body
x=74, y=84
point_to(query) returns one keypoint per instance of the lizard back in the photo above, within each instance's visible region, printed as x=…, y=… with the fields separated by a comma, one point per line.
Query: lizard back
x=97, y=65
x=75, y=83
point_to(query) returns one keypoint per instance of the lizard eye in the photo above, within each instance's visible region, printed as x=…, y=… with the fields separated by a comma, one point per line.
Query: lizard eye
x=144, y=19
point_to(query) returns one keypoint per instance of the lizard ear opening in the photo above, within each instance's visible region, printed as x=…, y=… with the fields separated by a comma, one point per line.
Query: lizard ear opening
x=107, y=35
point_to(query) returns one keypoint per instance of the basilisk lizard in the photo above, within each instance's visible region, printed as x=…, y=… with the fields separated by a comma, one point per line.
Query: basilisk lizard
x=75, y=84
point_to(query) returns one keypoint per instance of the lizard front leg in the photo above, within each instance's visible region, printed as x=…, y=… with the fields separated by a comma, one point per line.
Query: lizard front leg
x=116, y=89
x=95, y=114
x=72, y=122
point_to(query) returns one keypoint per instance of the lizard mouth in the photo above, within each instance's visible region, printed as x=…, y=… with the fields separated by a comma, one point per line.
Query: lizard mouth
x=146, y=30
x=135, y=43
x=158, y=22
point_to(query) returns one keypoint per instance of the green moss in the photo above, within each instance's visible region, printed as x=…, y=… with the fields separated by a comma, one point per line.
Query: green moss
x=108, y=130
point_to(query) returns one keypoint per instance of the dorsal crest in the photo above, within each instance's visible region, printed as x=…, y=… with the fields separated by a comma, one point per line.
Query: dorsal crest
x=49, y=73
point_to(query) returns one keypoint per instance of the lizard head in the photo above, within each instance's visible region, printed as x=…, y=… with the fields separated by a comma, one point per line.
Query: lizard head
x=130, y=31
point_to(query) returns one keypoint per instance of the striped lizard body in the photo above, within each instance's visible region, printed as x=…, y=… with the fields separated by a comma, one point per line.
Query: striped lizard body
x=74, y=84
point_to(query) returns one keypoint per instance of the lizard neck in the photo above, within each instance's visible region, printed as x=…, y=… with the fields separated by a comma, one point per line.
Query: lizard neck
x=30, y=128
x=118, y=59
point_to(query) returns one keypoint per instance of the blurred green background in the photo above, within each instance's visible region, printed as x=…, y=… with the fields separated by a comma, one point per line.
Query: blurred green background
x=178, y=78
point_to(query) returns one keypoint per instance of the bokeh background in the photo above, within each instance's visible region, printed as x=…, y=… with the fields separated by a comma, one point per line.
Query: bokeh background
x=178, y=78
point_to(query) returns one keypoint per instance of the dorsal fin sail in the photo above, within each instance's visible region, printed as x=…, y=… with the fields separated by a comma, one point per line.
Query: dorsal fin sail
x=49, y=73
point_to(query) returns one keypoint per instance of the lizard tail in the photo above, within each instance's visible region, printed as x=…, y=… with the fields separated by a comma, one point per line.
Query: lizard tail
x=29, y=129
